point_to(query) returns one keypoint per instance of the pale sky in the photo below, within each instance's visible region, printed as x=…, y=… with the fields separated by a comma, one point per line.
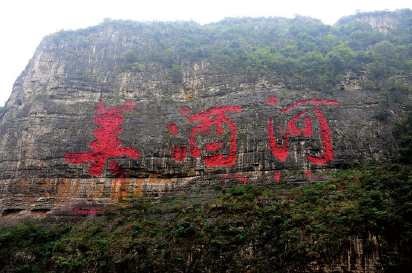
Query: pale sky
x=23, y=23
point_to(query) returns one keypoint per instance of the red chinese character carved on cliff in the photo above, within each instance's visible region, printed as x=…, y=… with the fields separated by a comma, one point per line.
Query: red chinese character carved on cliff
x=204, y=122
x=280, y=151
x=107, y=145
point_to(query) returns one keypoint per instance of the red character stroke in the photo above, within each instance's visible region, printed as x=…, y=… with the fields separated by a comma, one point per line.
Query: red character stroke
x=107, y=145
x=281, y=151
x=214, y=117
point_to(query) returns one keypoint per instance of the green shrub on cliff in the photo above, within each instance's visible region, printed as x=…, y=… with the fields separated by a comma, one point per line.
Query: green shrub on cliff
x=301, y=52
x=245, y=229
x=403, y=136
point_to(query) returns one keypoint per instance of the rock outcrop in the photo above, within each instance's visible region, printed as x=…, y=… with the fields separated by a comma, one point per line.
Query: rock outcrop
x=89, y=123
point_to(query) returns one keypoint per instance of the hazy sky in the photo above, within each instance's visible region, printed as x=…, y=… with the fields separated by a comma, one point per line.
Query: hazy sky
x=23, y=23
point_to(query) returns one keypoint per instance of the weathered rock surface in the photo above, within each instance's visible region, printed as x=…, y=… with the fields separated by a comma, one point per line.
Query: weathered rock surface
x=53, y=113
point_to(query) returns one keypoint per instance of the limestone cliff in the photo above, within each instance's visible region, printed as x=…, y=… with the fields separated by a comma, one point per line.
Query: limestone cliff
x=128, y=109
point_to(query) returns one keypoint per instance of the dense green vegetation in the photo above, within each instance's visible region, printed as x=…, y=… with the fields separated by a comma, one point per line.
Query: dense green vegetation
x=301, y=52
x=244, y=229
x=403, y=135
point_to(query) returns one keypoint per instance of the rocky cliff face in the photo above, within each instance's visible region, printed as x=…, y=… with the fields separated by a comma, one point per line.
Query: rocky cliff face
x=383, y=21
x=89, y=123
